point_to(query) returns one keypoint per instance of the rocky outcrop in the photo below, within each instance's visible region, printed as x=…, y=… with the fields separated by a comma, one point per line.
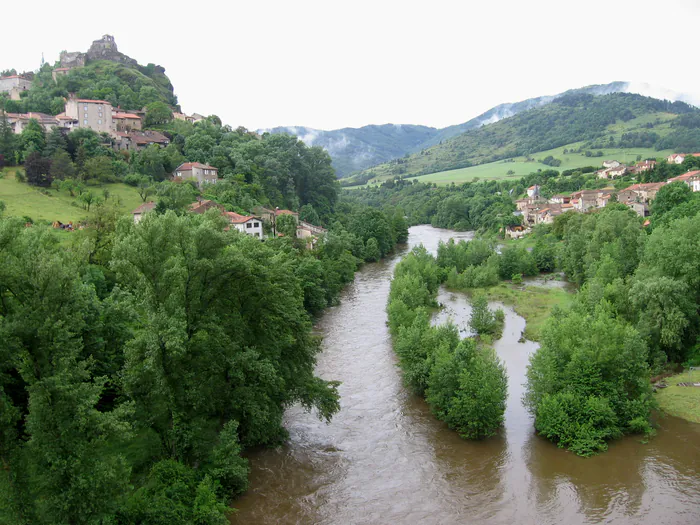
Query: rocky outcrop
x=106, y=49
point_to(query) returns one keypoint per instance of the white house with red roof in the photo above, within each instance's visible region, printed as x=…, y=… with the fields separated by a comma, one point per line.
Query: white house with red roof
x=202, y=173
x=246, y=223
x=692, y=179
x=533, y=191
x=676, y=158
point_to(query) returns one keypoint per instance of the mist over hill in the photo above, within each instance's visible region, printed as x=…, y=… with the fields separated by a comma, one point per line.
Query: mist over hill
x=356, y=149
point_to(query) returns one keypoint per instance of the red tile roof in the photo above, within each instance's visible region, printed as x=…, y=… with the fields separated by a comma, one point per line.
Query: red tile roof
x=235, y=218
x=126, y=115
x=146, y=206
x=14, y=76
x=84, y=100
x=642, y=187
x=684, y=177
x=187, y=166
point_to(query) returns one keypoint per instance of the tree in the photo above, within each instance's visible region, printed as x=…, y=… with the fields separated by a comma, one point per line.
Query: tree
x=589, y=380
x=7, y=139
x=307, y=213
x=372, y=252
x=61, y=166
x=467, y=389
x=55, y=141
x=286, y=225
x=87, y=198
x=100, y=168
x=32, y=138
x=38, y=169
x=482, y=319
x=158, y=113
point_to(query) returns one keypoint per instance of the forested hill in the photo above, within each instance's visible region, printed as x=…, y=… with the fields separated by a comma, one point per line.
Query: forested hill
x=354, y=149
x=585, y=120
x=122, y=85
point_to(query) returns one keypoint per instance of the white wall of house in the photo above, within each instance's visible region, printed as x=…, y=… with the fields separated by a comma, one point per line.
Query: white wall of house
x=252, y=227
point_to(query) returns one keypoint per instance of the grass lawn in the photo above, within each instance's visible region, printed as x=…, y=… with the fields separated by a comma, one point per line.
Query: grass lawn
x=21, y=200
x=534, y=303
x=681, y=401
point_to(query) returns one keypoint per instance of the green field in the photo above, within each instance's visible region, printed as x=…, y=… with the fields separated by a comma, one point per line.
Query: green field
x=681, y=401
x=23, y=200
x=533, y=303
x=521, y=166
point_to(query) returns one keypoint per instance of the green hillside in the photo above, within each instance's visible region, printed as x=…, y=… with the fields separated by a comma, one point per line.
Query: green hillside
x=590, y=126
x=123, y=85
x=520, y=166
x=49, y=205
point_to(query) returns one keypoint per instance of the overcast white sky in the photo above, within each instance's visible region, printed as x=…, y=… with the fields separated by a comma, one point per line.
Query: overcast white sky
x=329, y=64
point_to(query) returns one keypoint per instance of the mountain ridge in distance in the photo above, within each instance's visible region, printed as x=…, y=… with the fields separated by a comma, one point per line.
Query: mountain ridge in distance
x=356, y=149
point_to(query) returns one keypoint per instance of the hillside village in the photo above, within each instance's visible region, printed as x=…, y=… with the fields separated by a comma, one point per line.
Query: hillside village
x=534, y=209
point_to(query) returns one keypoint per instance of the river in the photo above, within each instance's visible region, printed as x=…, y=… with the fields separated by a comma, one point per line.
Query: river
x=384, y=459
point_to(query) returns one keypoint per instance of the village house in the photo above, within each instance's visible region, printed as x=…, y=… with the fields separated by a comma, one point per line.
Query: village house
x=202, y=173
x=533, y=191
x=603, y=174
x=204, y=205
x=246, y=224
x=675, y=158
x=306, y=230
x=610, y=164
x=139, y=212
x=63, y=121
x=14, y=85
x=638, y=196
x=93, y=114
x=521, y=204
x=585, y=200
x=138, y=140
x=19, y=121
x=125, y=121
x=691, y=179
x=645, y=165
x=560, y=199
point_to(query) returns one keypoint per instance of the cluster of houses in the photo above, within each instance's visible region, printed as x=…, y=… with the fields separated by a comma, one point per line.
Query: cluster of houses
x=613, y=169
x=248, y=224
x=125, y=127
x=536, y=210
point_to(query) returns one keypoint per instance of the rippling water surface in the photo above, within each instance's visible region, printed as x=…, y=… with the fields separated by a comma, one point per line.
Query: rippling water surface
x=384, y=459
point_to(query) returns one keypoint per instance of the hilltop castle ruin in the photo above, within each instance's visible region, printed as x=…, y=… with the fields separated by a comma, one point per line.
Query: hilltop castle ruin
x=103, y=49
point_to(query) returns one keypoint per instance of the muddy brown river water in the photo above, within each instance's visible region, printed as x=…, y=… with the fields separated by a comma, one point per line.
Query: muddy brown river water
x=384, y=459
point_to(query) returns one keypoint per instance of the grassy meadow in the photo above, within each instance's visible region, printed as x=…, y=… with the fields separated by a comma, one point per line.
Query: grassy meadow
x=521, y=166
x=681, y=401
x=533, y=303
x=50, y=205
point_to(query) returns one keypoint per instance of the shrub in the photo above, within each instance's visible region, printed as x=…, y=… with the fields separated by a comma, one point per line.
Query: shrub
x=517, y=278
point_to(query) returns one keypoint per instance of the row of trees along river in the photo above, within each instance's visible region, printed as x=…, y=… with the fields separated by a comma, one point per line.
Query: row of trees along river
x=385, y=458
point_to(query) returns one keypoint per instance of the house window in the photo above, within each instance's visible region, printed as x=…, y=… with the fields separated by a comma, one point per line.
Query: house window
x=256, y=224
x=249, y=225
x=85, y=108
x=85, y=122
x=99, y=121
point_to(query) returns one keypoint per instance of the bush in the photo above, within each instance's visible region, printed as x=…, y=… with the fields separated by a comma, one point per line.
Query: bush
x=517, y=278
x=20, y=176
x=589, y=381
x=467, y=389
x=482, y=320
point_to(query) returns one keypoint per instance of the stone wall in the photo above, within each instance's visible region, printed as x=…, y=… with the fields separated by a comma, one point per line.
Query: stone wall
x=106, y=49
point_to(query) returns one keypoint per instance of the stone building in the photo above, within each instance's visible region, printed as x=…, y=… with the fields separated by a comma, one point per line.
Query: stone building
x=72, y=59
x=93, y=114
x=202, y=173
x=14, y=85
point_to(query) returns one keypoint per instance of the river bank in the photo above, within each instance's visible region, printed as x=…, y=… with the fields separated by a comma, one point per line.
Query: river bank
x=681, y=401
